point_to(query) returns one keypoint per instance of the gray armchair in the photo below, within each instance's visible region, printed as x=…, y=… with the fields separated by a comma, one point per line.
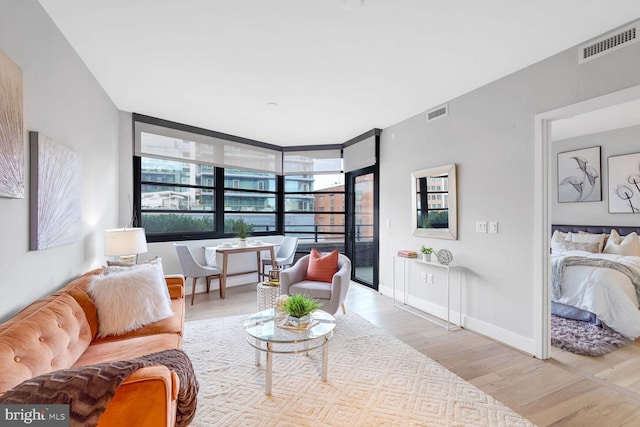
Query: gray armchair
x=330, y=295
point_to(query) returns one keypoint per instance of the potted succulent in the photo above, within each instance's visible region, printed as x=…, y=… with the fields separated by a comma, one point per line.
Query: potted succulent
x=242, y=230
x=299, y=308
x=426, y=253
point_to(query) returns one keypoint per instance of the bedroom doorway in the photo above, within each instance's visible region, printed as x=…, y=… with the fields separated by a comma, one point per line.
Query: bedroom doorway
x=597, y=113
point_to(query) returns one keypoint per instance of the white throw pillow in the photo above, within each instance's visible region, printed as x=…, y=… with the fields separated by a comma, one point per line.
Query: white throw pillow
x=557, y=238
x=129, y=299
x=587, y=238
x=575, y=246
x=628, y=246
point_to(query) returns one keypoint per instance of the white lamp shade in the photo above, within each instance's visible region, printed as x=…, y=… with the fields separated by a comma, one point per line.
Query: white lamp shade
x=124, y=241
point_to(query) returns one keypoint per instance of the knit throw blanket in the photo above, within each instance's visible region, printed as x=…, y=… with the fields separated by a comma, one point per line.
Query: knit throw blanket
x=558, y=265
x=88, y=389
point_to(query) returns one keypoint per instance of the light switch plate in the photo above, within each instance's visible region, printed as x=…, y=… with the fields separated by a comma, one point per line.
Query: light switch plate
x=493, y=227
x=481, y=226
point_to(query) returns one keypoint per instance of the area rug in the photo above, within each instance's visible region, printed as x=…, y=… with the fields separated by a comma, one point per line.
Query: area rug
x=584, y=338
x=374, y=379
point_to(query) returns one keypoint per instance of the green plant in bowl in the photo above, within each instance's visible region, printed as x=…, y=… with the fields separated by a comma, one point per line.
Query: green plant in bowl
x=425, y=250
x=242, y=229
x=426, y=253
x=299, y=308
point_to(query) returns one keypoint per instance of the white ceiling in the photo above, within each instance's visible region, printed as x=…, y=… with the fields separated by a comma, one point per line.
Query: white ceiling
x=334, y=72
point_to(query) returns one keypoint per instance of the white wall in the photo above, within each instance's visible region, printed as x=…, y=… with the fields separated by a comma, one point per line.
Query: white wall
x=612, y=143
x=62, y=100
x=489, y=134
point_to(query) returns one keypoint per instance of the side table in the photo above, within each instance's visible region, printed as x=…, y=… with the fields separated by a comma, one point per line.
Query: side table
x=267, y=295
x=449, y=325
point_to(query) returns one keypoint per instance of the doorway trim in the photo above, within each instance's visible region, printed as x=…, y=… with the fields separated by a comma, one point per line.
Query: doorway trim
x=542, y=205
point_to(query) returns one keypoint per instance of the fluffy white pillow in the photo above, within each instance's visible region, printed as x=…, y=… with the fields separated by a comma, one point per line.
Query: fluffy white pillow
x=628, y=246
x=587, y=238
x=129, y=299
x=116, y=267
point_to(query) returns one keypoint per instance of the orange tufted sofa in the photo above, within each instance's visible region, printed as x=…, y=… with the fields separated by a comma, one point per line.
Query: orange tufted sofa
x=59, y=332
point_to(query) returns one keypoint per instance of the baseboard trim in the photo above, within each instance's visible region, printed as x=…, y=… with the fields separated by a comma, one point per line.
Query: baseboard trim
x=504, y=336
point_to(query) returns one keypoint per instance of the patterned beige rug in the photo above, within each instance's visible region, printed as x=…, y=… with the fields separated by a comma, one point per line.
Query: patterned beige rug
x=374, y=379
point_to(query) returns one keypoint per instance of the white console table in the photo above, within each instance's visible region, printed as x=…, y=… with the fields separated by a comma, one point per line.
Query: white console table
x=448, y=325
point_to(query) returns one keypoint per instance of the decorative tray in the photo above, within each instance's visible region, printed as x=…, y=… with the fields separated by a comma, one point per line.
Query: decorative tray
x=283, y=325
x=271, y=283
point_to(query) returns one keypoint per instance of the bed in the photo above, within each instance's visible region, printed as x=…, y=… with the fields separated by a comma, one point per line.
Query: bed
x=596, y=275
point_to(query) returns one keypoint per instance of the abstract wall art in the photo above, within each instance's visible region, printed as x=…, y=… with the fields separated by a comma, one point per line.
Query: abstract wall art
x=579, y=178
x=11, y=133
x=624, y=183
x=55, y=193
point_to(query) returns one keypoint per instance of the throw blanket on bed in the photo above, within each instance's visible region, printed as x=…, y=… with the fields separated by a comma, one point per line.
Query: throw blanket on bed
x=88, y=389
x=558, y=265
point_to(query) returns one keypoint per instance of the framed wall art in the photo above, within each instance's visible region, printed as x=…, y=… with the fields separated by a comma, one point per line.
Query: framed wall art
x=624, y=183
x=11, y=133
x=579, y=178
x=55, y=193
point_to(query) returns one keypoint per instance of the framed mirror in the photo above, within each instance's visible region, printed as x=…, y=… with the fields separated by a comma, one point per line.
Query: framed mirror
x=435, y=202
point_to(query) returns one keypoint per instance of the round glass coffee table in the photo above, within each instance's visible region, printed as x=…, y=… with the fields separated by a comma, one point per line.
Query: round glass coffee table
x=266, y=336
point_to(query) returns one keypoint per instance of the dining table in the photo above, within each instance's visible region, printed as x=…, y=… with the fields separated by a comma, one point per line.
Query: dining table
x=230, y=249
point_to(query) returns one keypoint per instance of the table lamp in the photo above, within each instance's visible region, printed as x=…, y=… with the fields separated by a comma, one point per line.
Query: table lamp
x=125, y=243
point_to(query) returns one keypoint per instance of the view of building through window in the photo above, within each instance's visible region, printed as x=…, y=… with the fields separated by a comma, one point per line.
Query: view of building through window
x=432, y=202
x=180, y=196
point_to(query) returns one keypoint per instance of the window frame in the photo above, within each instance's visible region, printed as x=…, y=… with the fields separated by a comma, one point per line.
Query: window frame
x=218, y=188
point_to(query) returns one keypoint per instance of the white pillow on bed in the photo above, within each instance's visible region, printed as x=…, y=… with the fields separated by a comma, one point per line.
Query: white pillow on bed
x=628, y=246
x=587, y=238
x=575, y=246
x=557, y=242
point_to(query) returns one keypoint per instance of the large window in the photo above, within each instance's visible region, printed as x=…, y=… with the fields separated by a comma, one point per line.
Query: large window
x=315, y=210
x=176, y=197
x=251, y=196
x=193, y=183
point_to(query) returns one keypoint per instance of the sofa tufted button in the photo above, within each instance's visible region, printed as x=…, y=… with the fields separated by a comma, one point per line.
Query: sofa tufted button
x=17, y=359
x=41, y=339
x=59, y=325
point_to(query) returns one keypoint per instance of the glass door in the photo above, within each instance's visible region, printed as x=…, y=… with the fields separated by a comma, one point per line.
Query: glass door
x=362, y=223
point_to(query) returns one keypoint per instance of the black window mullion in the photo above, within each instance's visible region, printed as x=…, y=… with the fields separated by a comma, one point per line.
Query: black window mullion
x=280, y=204
x=219, y=201
x=137, y=192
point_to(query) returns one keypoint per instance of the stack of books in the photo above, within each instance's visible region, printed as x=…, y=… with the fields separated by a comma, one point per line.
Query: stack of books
x=408, y=254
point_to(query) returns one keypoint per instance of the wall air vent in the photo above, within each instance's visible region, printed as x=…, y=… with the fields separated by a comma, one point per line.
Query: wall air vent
x=438, y=112
x=609, y=42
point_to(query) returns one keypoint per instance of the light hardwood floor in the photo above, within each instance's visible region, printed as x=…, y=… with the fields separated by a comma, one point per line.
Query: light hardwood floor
x=568, y=390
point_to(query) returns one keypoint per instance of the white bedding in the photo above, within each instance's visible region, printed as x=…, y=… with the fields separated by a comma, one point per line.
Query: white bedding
x=606, y=292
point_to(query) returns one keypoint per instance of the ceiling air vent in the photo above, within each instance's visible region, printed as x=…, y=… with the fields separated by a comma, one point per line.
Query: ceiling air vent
x=608, y=43
x=438, y=112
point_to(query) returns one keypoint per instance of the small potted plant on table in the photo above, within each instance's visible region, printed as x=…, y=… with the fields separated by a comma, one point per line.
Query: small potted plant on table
x=299, y=308
x=426, y=253
x=242, y=229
